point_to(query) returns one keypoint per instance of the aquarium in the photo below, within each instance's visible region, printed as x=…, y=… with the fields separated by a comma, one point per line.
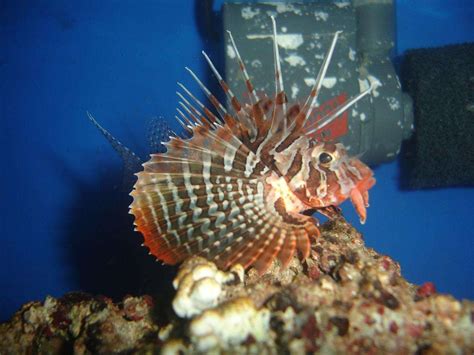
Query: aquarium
x=65, y=222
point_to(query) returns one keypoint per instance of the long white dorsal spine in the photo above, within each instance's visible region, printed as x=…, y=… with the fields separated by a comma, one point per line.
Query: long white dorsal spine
x=331, y=116
x=279, y=88
x=243, y=69
x=190, y=107
x=199, y=103
x=313, y=96
x=230, y=95
x=190, y=114
x=220, y=109
x=186, y=119
x=186, y=127
x=195, y=110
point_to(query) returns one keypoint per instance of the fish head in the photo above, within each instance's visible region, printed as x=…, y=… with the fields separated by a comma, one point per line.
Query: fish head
x=334, y=177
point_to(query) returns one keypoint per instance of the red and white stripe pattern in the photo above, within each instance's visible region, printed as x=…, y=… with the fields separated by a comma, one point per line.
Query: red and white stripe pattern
x=235, y=191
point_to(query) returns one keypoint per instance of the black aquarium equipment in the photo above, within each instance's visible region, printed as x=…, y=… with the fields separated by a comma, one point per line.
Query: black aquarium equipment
x=376, y=126
x=434, y=112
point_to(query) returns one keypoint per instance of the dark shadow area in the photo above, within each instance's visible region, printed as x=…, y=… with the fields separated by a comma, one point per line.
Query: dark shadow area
x=405, y=159
x=63, y=19
x=103, y=253
x=210, y=28
x=208, y=21
x=406, y=162
x=101, y=250
x=397, y=61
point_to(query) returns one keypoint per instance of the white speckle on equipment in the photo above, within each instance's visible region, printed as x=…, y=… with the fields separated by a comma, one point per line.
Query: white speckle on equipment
x=295, y=60
x=286, y=40
x=230, y=52
x=248, y=12
x=321, y=16
x=352, y=54
x=329, y=82
x=294, y=91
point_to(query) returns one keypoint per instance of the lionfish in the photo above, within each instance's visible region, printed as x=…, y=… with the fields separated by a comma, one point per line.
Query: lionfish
x=243, y=187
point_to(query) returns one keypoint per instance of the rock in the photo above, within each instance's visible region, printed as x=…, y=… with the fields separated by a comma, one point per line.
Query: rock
x=81, y=324
x=345, y=298
x=199, y=285
x=229, y=325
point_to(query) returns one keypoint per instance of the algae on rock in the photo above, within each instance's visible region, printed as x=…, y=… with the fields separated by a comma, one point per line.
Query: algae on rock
x=345, y=298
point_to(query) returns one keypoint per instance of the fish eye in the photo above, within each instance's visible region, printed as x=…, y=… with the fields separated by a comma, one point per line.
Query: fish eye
x=325, y=158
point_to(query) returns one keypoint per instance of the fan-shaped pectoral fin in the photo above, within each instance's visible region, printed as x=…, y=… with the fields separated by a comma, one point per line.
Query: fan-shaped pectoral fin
x=331, y=212
x=309, y=230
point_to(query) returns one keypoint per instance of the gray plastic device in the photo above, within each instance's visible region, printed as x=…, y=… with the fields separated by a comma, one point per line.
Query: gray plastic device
x=376, y=126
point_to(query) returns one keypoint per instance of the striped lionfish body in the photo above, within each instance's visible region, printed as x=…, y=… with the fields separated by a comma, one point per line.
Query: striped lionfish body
x=240, y=189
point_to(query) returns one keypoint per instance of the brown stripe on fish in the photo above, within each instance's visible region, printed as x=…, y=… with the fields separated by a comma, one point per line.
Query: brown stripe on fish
x=293, y=134
x=293, y=111
x=262, y=254
x=284, y=159
x=271, y=251
x=288, y=250
x=220, y=109
x=250, y=248
x=281, y=98
x=256, y=226
x=295, y=166
x=249, y=85
x=230, y=95
x=317, y=180
x=207, y=218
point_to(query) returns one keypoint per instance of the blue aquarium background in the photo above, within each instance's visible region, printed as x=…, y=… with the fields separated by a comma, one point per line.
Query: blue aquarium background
x=64, y=222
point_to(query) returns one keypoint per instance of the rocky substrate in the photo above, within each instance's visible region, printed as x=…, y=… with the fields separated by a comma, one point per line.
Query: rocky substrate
x=345, y=298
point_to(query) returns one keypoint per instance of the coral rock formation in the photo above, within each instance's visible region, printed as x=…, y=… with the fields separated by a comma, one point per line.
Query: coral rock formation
x=199, y=285
x=345, y=298
x=81, y=324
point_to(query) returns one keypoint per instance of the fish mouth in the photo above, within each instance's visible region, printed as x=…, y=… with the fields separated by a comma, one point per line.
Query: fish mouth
x=359, y=196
